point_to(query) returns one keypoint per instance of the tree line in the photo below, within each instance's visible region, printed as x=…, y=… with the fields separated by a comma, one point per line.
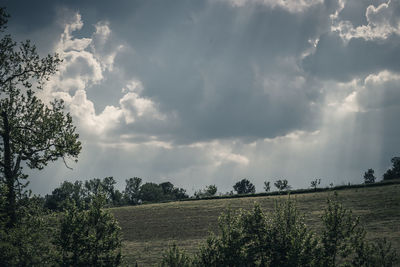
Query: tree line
x=135, y=193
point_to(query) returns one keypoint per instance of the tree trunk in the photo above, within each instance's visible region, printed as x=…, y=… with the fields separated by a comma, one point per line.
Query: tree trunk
x=8, y=173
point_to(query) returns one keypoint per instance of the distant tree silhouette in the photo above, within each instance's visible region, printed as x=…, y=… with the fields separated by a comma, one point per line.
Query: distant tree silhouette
x=315, y=183
x=282, y=185
x=211, y=190
x=369, y=177
x=394, y=172
x=267, y=186
x=244, y=187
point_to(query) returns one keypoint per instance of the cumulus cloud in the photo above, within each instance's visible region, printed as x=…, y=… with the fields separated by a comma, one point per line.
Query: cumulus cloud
x=382, y=21
x=380, y=91
x=86, y=61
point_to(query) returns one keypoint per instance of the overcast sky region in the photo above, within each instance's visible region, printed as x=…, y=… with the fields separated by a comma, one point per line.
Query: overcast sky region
x=200, y=92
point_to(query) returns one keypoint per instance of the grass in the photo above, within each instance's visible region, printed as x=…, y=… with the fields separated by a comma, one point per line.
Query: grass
x=149, y=229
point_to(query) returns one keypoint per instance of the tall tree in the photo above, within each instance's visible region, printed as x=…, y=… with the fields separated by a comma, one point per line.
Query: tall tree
x=31, y=132
x=132, y=190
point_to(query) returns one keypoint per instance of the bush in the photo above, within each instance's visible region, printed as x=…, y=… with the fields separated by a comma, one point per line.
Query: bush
x=28, y=242
x=252, y=238
x=175, y=257
x=89, y=238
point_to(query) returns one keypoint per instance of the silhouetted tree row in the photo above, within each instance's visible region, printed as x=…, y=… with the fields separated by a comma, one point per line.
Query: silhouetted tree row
x=135, y=193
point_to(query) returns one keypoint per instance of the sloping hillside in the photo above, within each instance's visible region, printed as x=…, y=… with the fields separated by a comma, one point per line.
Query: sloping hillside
x=149, y=229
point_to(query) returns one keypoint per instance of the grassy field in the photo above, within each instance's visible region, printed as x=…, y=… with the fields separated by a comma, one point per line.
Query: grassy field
x=149, y=229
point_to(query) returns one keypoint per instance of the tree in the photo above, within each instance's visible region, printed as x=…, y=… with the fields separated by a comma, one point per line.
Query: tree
x=267, y=186
x=151, y=192
x=167, y=188
x=244, y=187
x=27, y=243
x=315, y=183
x=282, y=185
x=67, y=192
x=132, y=190
x=211, y=190
x=32, y=133
x=369, y=177
x=89, y=238
x=394, y=172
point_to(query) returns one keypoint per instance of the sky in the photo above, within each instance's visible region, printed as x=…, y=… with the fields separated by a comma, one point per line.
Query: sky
x=200, y=92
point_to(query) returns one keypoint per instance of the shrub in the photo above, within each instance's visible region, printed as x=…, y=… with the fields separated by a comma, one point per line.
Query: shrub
x=89, y=238
x=175, y=257
x=252, y=238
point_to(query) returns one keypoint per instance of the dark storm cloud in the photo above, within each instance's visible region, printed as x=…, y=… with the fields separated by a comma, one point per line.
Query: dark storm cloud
x=207, y=66
x=206, y=62
x=336, y=59
x=226, y=91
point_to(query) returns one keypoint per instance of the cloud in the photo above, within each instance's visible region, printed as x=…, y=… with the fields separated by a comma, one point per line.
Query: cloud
x=289, y=5
x=382, y=21
x=86, y=62
x=209, y=92
x=380, y=91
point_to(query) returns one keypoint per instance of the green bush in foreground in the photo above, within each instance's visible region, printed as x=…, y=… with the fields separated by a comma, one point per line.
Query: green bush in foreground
x=252, y=238
x=89, y=238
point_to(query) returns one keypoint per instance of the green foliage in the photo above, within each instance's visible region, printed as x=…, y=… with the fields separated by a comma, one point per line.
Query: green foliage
x=28, y=242
x=32, y=133
x=82, y=193
x=254, y=239
x=89, y=238
x=394, y=172
x=175, y=257
x=343, y=240
x=282, y=185
x=369, y=177
x=209, y=191
x=281, y=238
x=151, y=192
x=244, y=186
x=67, y=192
